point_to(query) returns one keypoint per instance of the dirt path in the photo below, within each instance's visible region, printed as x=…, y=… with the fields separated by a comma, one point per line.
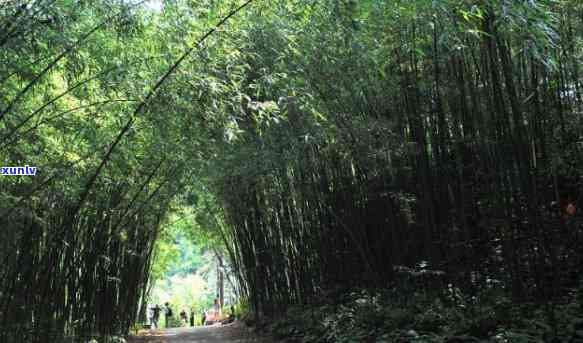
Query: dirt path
x=232, y=333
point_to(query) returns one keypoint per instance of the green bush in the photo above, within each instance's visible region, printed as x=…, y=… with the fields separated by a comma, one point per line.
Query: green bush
x=488, y=317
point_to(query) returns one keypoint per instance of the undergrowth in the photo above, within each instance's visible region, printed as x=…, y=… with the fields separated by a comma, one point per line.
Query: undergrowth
x=444, y=317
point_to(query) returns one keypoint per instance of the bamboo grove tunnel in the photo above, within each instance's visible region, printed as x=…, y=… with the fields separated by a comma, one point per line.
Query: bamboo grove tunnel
x=394, y=147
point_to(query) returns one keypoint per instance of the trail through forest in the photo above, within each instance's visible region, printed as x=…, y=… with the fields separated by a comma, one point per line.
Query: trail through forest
x=234, y=333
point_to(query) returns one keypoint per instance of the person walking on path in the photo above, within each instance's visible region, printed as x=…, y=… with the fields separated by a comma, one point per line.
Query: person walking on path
x=217, y=307
x=192, y=316
x=155, y=316
x=183, y=318
x=167, y=314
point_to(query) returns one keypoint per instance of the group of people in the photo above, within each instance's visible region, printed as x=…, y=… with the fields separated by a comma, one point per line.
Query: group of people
x=168, y=314
x=184, y=318
x=213, y=316
x=156, y=310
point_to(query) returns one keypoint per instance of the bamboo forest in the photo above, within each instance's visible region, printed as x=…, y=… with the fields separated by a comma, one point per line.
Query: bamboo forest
x=299, y=171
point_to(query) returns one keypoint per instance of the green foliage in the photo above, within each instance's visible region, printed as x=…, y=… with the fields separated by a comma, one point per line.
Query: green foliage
x=71, y=74
x=379, y=318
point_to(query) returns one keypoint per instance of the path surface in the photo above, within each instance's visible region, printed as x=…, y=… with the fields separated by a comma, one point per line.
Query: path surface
x=232, y=333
